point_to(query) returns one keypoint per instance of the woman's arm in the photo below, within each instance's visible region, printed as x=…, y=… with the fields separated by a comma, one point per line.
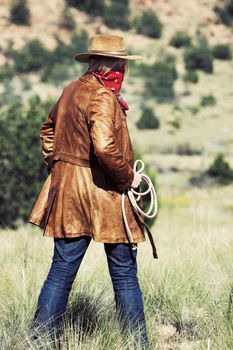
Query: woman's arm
x=47, y=136
x=101, y=117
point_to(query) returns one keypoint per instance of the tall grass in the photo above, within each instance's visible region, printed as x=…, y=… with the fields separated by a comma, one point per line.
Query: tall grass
x=187, y=292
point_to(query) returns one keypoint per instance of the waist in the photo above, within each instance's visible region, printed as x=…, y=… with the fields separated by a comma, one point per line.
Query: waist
x=75, y=159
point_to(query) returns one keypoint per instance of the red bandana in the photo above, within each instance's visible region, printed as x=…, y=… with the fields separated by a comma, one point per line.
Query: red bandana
x=113, y=81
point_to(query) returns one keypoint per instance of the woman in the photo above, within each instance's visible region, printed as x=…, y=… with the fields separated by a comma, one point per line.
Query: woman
x=87, y=147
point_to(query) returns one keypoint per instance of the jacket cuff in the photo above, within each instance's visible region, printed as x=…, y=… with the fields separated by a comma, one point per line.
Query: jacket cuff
x=127, y=184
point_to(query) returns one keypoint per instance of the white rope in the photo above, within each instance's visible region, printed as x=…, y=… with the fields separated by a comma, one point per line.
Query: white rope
x=135, y=196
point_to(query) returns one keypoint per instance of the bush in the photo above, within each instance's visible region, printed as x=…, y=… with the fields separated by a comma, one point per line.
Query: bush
x=225, y=13
x=191, y=76
x=117, y=13
x=208, y=100
x=160, y=80
x=148, y=24
x=19, y=12
x=194, y=109
x=64, y=53
x=199, y=57
x=180, y=39
x=67, y=20
x=185, y=149
x=148, y=120
x=175, y=123
x=6, y=73
x=55, y=74
x=32, y=57
x=22, y=170
x=221, y=170
x=222, y=52
x=92, y=7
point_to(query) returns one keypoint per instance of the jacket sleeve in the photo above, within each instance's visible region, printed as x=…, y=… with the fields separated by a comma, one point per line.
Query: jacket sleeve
x=101, y=118
x=47, y=136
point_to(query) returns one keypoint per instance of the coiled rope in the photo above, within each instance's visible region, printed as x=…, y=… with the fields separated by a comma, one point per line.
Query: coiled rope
x=134, y=197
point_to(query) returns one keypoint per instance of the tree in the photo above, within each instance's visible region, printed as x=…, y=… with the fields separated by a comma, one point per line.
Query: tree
x=116, y=15
x=180, y=39
x=22, y=169
x=222, y=52
x=19, y=12
x=148, y=24
x=92, y=7
x=148, y=120
x=67, y=20
x=221, y=170
x=199, y=57
x=160, y=80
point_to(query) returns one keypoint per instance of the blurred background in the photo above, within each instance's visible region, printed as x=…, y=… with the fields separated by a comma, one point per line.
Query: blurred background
x=180, y=120
x=180, y=95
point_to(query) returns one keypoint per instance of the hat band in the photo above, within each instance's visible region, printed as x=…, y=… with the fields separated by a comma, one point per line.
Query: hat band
x=118, y=52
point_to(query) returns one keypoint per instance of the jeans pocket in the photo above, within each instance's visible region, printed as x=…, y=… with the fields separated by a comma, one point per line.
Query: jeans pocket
x=70, y=249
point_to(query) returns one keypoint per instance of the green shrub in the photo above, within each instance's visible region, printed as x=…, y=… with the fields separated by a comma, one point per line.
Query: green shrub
x=22, y=170
x=116, y=15
x=160, y=80
x=208, y=100
x=64, y=53
x=199, y=57
x=19, y=12
x=92, y=7
x=221, y=170
x=180, y=39
x=222, y=52
x=148, y=24
x=191, y=76
x=194, y=109
x=6, y=72
x=26, y=84
x=175, y=123
x=225, y=13
x=55, y=74
x=148, y=120
x=32, y=57
x=67, y=20
x=185, y=148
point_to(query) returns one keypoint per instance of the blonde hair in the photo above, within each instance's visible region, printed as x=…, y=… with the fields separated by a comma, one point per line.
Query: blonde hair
x=104, y=64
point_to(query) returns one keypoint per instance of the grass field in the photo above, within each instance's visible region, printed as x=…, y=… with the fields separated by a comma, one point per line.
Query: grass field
x=187, y=292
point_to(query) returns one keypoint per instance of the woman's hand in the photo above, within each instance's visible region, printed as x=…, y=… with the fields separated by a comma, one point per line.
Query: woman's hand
x=136, y=180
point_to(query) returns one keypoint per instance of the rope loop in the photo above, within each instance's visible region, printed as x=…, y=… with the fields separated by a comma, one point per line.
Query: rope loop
x=135, y=196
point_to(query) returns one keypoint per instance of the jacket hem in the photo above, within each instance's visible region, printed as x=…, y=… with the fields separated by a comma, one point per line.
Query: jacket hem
x=139, y=240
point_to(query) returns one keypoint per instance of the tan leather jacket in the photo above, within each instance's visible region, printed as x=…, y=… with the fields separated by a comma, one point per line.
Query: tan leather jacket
x=93, y=127
x=86, y=142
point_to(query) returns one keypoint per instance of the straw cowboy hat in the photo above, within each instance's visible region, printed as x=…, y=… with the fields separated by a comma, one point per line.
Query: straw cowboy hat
x=106, y=45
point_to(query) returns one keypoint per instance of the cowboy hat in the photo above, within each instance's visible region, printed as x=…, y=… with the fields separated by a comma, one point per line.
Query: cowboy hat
x=106, y=45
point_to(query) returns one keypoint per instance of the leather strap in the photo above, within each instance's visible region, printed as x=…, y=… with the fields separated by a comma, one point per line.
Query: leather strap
x=154, y=250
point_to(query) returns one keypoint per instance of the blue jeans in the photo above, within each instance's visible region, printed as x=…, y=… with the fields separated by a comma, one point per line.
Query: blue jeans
x=67, y=258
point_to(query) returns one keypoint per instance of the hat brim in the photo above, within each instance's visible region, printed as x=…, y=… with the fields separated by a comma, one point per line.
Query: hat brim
x=84, y=57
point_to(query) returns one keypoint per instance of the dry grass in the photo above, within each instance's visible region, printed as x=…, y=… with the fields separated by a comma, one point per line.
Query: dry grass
x=186, y=292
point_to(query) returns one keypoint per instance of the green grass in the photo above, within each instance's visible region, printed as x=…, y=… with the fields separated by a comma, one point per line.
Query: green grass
x=186, y=292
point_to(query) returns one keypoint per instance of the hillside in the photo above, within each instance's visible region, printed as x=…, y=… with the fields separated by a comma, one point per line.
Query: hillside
x=206, y=131
x=188, y=291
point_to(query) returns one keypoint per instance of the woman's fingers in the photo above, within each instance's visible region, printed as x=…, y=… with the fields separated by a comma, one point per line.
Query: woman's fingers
x=137, y=179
